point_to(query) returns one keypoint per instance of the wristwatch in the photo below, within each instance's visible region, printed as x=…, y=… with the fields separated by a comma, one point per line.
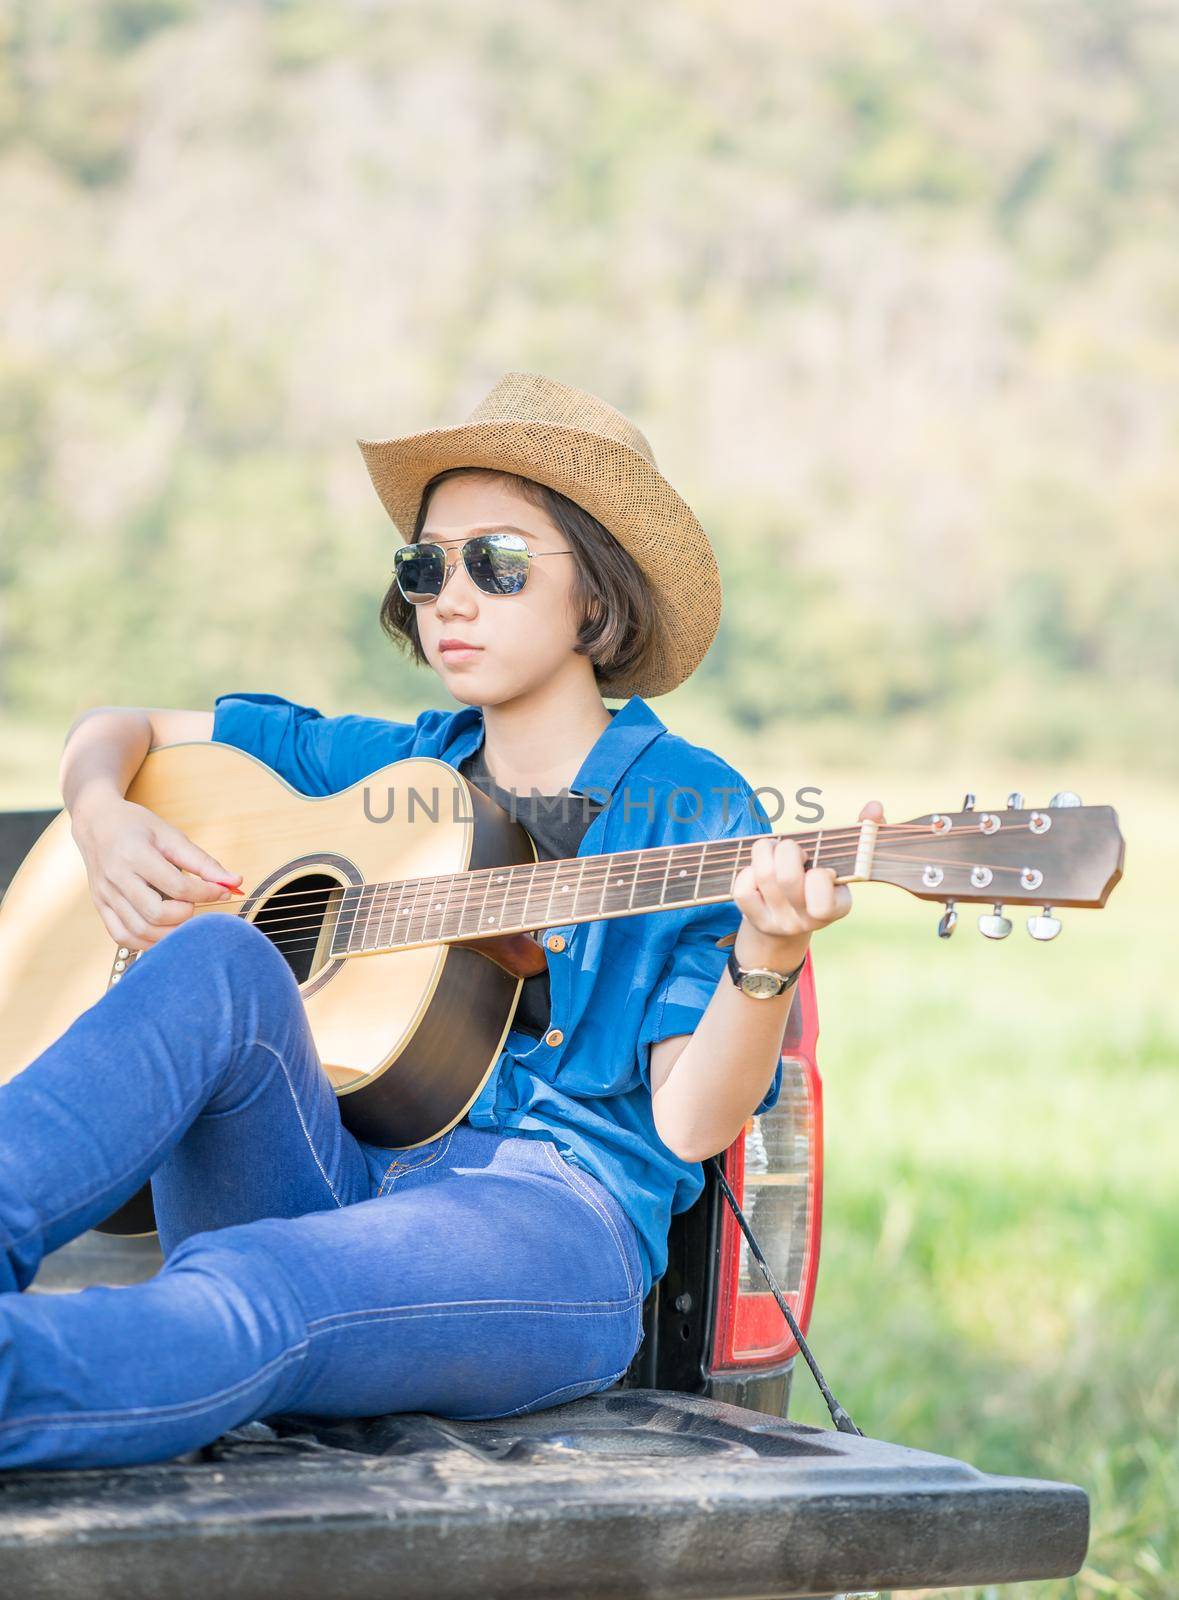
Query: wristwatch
x=760, y=982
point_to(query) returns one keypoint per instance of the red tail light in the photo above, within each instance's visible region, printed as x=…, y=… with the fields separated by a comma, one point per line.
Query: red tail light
x=775, y=1169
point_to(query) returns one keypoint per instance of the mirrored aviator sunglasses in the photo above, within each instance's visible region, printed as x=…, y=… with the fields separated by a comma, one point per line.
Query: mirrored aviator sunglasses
x=496, y=563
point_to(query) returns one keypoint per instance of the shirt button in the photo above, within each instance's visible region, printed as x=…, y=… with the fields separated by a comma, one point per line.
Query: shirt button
x=553, y=1036
x=555, y=941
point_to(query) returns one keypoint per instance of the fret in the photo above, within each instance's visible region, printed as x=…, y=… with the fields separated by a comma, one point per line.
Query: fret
x=356, y=942
x=498, y=898
x=474, y=880
x=366, y=939
x=614, y=879
x=345, y=921
x=510, y=906
x=410, y=930
x=384, y=934
x=456, y=913
x=699, y=870
x=680, y=879
x=718, y=867
x=566, y=898
x=667, y=855
x=444, y=917
x=524, y=916
x=395, y=925
x=548, y=910
x=647, y=892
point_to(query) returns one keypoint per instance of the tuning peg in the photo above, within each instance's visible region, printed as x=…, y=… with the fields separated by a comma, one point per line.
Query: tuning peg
x=1065, y=798
x=1045, y=926
x=1015, y=801
x=948, y=921
x=968, y=801
x=996, y=926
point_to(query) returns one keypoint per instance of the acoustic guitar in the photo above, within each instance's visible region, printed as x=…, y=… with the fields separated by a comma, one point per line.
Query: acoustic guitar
x=409, y=907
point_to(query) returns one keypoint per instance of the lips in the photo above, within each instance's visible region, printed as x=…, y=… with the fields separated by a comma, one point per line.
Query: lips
x=445, y=646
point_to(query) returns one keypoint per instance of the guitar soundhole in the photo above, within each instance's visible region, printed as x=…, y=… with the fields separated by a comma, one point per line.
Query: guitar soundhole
x=292, y=919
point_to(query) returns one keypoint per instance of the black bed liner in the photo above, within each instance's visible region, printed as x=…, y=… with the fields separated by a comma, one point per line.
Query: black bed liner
x=641, y=1492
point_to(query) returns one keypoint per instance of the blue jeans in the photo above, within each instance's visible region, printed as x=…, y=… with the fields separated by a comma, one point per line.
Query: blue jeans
x=305, y=1272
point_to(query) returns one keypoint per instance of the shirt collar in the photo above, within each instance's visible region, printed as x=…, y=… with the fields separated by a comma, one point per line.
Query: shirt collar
x=631, y=729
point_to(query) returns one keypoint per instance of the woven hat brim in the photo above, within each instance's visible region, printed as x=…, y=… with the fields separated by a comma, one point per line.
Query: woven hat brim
x=615, y=484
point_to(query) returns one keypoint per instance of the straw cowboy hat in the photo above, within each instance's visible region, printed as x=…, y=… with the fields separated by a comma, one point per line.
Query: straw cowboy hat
x=579, y=445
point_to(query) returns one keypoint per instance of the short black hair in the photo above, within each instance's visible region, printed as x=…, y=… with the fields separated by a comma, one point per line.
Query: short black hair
x=618, y=606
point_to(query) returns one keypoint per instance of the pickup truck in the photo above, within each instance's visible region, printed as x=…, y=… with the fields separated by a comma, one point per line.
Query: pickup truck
x=685, y=1479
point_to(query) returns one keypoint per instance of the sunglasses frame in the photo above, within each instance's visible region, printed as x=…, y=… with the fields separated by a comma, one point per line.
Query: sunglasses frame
x=463, y=554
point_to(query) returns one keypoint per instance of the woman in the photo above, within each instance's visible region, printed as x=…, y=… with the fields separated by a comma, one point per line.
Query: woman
x=501, y=1267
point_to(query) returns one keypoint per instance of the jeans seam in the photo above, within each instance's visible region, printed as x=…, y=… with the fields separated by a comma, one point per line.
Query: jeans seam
x=598, y=1383
x=418, y=1167
x=62, y=1419
x=262, y=1045
x=573, y=1177
x=467, y=1308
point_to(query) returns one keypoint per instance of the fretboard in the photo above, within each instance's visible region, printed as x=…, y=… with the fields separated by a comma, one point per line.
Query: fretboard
x=499, y=900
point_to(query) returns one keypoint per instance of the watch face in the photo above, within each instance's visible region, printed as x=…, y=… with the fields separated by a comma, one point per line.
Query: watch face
x=761, y=985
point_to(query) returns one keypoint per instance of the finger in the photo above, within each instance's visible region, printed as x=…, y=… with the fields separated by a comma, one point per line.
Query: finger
x=819, y=889
x=827, y=900
x=140, y=894
x=113, y=924
x=872, y=811
x=155, y=868
x=138, y=933
x=788, y=887
x=766, y=857
x=157, y=912
x=179, y=849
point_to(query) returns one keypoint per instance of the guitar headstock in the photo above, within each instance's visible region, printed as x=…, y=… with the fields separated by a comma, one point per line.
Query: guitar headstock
x=1060, y=854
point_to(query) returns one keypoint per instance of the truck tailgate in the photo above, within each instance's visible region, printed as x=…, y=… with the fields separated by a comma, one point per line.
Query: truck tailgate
x=631, y=1492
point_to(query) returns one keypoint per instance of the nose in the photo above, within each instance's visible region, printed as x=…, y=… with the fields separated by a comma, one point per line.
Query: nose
x=460, y=596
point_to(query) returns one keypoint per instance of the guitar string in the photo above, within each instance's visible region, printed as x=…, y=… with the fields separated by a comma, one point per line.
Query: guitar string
x=515, y=900
x=602, y=865
x=723, y=860
x=290, y=943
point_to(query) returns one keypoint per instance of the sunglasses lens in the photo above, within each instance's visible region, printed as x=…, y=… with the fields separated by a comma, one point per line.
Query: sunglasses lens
x=498, y=562
x=419, y=570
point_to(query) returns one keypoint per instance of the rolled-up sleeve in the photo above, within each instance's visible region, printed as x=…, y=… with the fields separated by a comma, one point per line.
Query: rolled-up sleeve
x=694, y=967
x=317, y=755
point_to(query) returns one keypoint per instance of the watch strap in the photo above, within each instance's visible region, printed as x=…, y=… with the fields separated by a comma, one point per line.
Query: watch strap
x=737, y=972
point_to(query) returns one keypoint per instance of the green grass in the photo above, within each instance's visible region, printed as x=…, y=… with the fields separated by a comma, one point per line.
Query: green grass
x=1000, y=1272
x=1000, y=1267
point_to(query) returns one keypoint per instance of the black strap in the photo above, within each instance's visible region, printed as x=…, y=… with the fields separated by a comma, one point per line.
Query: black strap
x=839, y=1416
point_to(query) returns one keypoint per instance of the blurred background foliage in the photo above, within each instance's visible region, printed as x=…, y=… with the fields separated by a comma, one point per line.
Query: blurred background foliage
x=891, y=287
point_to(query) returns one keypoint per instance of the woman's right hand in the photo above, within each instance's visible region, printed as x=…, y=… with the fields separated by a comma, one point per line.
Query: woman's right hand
x=133, y=863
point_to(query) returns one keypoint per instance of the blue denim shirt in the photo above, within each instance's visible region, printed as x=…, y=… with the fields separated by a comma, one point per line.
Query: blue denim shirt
x=620, y=983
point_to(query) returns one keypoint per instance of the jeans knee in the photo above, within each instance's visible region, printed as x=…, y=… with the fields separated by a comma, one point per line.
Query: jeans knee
x=233, y=945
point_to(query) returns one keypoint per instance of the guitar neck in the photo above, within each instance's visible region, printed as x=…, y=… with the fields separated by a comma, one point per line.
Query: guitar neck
x=379, y=917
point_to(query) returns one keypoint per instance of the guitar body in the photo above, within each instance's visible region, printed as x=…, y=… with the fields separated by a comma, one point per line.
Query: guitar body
x=408, y=1038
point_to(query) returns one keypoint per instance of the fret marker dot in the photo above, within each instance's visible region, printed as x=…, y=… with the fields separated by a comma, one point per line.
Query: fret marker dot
x=491, y=919
x=564, y=888
x=683, y=872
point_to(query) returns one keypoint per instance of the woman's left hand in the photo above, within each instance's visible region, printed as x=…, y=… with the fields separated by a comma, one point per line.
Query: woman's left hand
x=782, y=905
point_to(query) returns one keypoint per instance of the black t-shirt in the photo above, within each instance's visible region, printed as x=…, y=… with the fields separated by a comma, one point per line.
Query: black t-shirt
x=557, y=824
